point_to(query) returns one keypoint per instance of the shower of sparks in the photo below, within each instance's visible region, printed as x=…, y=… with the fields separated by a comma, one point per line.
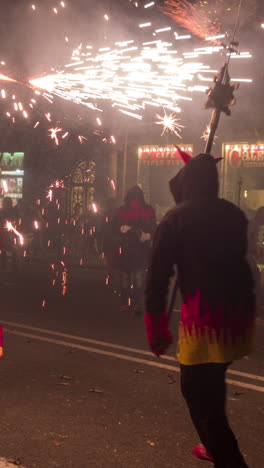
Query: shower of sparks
x=112, y=184
x=50, y=195
x=206, y=19
x=94, y=207
x=5, y=186
x=58, y=183
x=206, y=134
x=170, y=123
x=82, y=139
x=6, y=78
x=192, y=16
x=10, y=227
x=131, y=78
x=132, y=75
x=57, y=8
x=53, y=134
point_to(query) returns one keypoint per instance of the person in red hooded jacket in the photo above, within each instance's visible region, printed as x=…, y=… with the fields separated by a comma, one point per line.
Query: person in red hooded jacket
x=133, y=227
x=206, y=237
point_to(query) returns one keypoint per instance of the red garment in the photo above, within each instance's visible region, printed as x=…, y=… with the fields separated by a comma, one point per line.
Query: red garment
x=130, y=253
x=158, y=333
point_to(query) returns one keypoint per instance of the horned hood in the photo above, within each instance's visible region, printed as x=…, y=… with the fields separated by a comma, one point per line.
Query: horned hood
x=197, y=179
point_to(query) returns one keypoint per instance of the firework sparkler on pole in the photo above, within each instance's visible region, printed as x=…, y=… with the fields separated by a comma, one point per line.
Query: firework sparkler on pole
x=219, y=99
x=195, y=18
x=222, y=95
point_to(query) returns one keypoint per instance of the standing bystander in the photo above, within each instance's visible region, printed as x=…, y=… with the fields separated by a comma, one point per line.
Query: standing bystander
x=133, y=227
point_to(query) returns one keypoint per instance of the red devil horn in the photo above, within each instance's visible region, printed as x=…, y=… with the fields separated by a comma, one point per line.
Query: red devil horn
x=218, y=159
x=185, y=156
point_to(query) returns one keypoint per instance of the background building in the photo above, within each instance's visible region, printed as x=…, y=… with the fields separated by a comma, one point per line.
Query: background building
x=11, y=175
x=243, y=175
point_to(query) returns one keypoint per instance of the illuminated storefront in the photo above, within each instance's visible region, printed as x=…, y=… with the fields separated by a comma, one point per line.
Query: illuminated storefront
x=243, y=175
x=11, y=176
x=156, y=166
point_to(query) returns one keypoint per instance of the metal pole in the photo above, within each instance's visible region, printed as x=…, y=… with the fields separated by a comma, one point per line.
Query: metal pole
x=213, y=127
x=239, y=191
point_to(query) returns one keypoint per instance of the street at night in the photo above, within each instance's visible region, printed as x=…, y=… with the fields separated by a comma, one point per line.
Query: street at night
x=79, y=387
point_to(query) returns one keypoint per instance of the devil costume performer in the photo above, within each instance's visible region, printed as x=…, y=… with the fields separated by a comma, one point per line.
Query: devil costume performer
x=206, y=237
x=133, y=227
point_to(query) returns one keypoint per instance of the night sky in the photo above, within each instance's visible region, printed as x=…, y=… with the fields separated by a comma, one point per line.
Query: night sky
x=32, y=42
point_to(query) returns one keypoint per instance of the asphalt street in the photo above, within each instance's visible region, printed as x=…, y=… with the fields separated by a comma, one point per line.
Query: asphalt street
x=79, y=387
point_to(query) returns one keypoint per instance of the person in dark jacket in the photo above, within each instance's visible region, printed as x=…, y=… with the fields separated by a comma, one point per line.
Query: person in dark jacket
x=133, y=227
x=206, y=237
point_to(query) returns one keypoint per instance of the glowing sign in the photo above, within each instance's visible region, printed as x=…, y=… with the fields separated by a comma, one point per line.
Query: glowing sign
x=244, y=155
x=157, y=155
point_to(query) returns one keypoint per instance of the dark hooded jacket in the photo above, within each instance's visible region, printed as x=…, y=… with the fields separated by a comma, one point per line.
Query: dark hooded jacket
x=206, y=237
x=130, y=253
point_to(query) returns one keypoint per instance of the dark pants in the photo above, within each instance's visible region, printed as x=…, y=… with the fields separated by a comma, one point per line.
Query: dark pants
x=132, y=288
x=203, y=387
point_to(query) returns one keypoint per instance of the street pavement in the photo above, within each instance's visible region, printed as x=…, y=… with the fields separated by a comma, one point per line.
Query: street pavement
x=79, y=387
